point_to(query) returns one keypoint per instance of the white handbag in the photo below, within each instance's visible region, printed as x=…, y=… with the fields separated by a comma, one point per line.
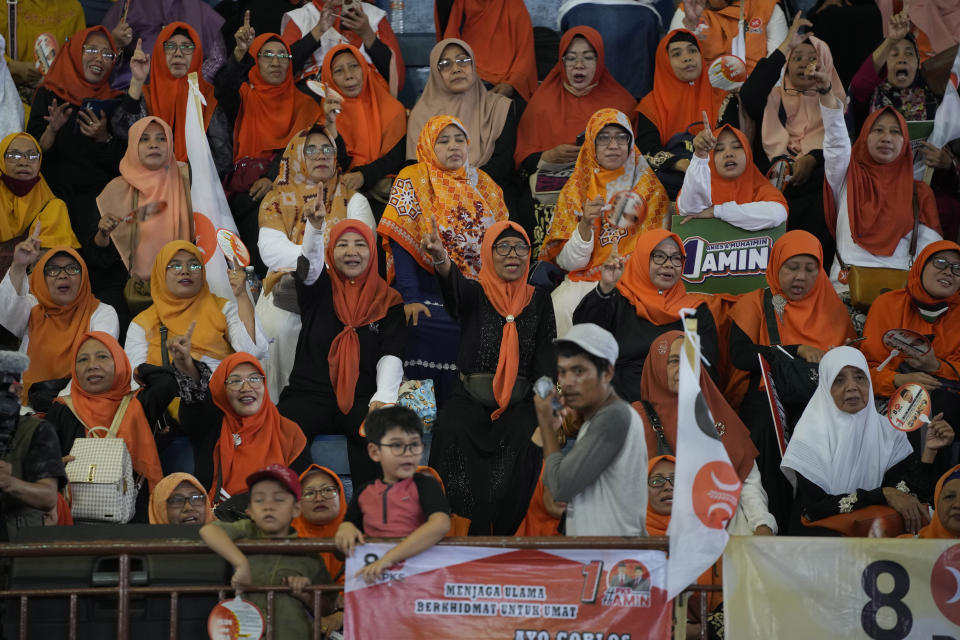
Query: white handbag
x=101, y=475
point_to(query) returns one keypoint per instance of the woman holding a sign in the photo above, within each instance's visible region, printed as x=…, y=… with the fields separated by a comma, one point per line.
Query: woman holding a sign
x=844, y=456
x=609, y=175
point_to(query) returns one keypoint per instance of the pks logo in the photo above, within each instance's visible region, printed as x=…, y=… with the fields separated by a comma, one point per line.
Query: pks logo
x=945, y=584
x=628, y=585
x=747, y=257
x=755, y=26
x=716, y=493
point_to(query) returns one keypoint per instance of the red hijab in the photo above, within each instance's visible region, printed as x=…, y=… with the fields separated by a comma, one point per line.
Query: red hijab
x=652, y=304
x=509, y=299
x=357, y=302
x=265, y=437
x=557, y=115
x=750, y=186
x=880, y=196
x=65, y=77
x=166, y=96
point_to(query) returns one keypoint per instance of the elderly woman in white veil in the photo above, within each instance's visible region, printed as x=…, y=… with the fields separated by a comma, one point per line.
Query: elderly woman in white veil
x=845, y=456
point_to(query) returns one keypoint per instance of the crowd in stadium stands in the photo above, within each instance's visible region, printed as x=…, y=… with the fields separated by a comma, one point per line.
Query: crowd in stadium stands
x=416, y=268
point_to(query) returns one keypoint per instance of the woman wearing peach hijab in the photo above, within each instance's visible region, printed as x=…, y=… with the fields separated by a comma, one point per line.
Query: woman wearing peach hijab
x=481, y=447
x=180, y=499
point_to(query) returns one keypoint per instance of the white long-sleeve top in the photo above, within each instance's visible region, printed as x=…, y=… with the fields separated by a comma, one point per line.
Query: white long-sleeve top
x=776, y=27
x=752, y=511
x=280, y=253
x=695, y=196
x=389, y=368
x=576, y=252
x=15, y=312
x=836, y=160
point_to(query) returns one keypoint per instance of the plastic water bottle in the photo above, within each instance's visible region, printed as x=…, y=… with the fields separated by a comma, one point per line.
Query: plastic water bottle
x=396, y=16
x=253, y=283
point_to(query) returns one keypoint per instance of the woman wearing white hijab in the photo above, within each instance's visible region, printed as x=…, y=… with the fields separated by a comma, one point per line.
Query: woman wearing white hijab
x=845, y=456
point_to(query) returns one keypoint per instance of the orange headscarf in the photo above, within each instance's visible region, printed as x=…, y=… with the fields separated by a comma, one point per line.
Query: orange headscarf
x=900, y=309
x=161, y=493
x=720, y=27
x=509, y=299
x=749, y=186
x=557, y=115
x=880, y=196
x=65, y=77
x=657, y=523
x=210, y=334
x=166, y=96
x=306, y=529
x=653, y=304
x=357, y=302
x=372, y=123
x=501, y=33
x=143, y=186
x=98, y=410
x=819, y=320
x=936, y=529
x=56, y=330
x=464, y=203
x=270, y=114
x=674, y=105
x=538, y=521
x=590, y=180
x=265, y=437
x=655, y=390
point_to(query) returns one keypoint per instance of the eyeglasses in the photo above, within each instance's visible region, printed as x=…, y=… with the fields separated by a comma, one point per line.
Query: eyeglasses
x=184, y=47
x=621, y=139
x=313, y=151
x=54, y=270
x=573, y=58
x=657, y=481
x=179, y=266
x=504, y=249
x=942, y=264
x=399, y=448
x=447, y=63
x=270, y=55
x=107, y=54
x=324, y=493
x=16, y=156
x=255, y=381
x=196, y=500
x=659, y=257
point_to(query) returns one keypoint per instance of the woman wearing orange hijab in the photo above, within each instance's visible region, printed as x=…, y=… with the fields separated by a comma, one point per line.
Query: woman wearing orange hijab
x=640, y=299
x=180, y=499
x=945, y=523
x=178, y=52
x=580, y=238
x=53, y=311
x=481, y=443
x=99, y=393
x=723, y=182
x=716, y=23
x=351, y=340
x=251, y=433
x=323, y=507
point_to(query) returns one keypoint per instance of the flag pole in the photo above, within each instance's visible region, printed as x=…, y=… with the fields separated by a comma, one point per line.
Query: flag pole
x=688, y=346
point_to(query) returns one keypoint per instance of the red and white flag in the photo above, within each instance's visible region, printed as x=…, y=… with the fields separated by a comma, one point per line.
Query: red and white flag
x=211, y=211
x=946, y=124
x=707, y=488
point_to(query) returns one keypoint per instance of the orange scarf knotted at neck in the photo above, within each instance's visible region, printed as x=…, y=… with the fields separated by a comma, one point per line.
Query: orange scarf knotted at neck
x=651, y=303
x=509, y=299
x=357, y=302
x=749, y=186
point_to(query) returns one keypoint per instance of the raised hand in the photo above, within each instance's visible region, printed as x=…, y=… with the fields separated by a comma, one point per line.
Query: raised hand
x=318, y=212
x=356, y=20
x=139, y=64
x=705, y=141
x=431, y=243
x=27, y=252
x=179, y=348
x=692, y=10
x=238, y=280
x=611, y=271
x=57, y=115
x=244, y=37
x=898, y=26
x=122, y=34
x=592, y=210
x=939, y=433
x=794, y=37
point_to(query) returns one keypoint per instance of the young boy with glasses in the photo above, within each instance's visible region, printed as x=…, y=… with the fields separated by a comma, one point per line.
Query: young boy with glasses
x=403, y=503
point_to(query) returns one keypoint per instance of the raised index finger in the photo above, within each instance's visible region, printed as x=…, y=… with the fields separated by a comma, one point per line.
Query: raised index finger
x=706, y=122
x=246, y=18
x=189, y=334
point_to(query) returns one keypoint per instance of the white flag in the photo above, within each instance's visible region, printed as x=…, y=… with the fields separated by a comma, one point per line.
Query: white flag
x=707, y=489
x=946, y=124
x=211, y=211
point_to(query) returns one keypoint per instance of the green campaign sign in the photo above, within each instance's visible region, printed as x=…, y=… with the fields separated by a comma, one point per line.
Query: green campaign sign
x=722, y=258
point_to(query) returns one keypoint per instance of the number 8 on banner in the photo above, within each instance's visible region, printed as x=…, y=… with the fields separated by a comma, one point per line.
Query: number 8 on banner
x=892, y=599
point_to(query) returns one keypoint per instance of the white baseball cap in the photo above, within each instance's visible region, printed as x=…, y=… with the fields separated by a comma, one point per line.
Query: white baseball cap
x=593, y=339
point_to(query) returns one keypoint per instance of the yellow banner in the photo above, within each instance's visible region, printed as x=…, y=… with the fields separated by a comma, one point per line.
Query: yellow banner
x=841, y=588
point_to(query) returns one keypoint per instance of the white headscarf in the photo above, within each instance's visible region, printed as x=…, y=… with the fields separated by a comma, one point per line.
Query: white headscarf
x=838, y=451
x=11, y=108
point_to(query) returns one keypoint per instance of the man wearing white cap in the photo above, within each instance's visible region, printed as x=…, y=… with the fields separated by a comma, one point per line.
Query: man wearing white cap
x=603, y=479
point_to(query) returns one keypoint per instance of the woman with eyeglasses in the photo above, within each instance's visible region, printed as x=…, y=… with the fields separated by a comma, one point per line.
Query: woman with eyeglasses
x=255, y=89
x=184, y=310
x=481, y=442
x=233, y=424
x=639, y=299
x=180, y=499
x=27, y=199
x=490, y=119
x=581, y=237
x=322, y=508
x=178, y=52
x=308, y=170
x=927, y=305
x=52, y=310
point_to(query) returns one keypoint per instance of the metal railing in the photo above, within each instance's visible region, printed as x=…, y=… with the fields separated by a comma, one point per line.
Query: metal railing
x=124, y=590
